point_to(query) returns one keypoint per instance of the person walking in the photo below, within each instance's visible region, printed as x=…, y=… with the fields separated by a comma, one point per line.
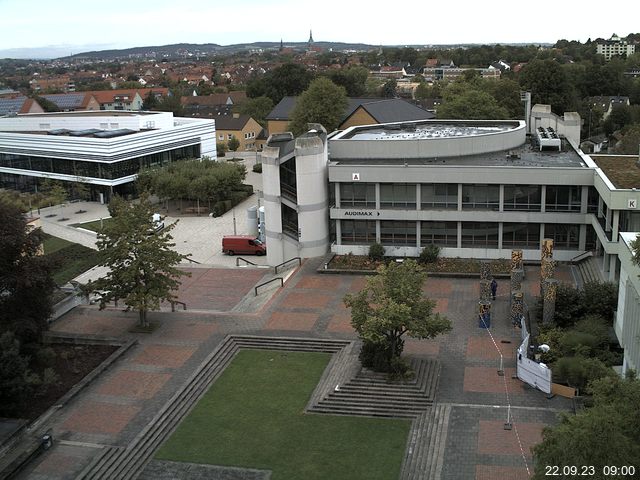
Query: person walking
x=494, y=288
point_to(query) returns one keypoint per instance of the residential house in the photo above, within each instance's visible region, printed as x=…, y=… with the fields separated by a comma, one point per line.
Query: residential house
x=128, y=99
x=242, y=127
x=72, y=102
x=608, y=103
x=230, y=98
x=614, y=46
x=360, y=111
x=12, y=105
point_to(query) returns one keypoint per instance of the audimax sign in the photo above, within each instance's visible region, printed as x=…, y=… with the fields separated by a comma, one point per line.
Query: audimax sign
x=361, y=213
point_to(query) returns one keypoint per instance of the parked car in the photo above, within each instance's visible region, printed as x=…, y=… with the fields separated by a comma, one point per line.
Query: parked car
x=243, y=244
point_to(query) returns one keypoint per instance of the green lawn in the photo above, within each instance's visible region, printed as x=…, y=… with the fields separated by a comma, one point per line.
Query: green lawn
x=68, y=259
x=93, y=226
x=253, y=416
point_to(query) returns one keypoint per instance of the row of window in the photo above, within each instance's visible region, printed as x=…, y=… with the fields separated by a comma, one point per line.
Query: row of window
x=109, y=171
x=473, y=234
x=444, y=196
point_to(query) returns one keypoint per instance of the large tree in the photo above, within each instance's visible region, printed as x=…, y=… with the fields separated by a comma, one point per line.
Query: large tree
x=25, y=277
x=289, y=79
x=607, y=434
x=257, y=108
x=142, y=264
x=549, y=84
x=323, y=102
x=391, y=305
x=471, y=104
x=353, y=79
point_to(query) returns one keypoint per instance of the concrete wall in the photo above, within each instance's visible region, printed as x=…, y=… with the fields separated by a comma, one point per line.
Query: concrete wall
x=568, y=125
x=627, y=321
x=83, y=120
x=272, y=205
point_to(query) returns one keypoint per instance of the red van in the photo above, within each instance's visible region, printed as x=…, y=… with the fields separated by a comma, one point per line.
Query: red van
x=243, y=244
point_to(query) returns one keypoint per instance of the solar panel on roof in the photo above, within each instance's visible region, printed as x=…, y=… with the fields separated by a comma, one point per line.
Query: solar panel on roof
x=69, y=100
x=11, y=105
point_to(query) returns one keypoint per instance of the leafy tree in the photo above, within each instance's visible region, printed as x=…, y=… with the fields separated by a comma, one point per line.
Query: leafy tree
x=257, y=108
x=171, y=103
x=47, y=105
x=289, y=79
x=150, y=101
x=17, y=381
x=142, y=264
x=221, y=149
x=389, y=89
x=54, y=191
x=606, y=434
x=323, y=102
x=80, y=189
x=619, y=117
x=549, y=84
x=233, y=143
x=25, y=277
x=471, y=104
x=353, y=79
x=393, y=304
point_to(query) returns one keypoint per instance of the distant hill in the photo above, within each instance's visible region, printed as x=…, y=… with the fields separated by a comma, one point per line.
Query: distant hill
x=194, y=49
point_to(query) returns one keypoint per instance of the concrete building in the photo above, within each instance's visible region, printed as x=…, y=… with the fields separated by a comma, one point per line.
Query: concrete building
x=614, y=46
x=627, y=321
x=104, y=149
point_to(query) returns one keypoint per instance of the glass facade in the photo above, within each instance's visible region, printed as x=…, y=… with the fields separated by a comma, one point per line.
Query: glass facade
x=523, y=198
x=358, y=195
x=521, y=235
x=398, y=233
x=480, y=234
x=565, y=237
x=480, y=197
x=439, y=196
x=398, y=195
x=563, y=198
x=104, y=170
x=288, y=182
x=358, y=232
x=289, y=221
x=443, y=234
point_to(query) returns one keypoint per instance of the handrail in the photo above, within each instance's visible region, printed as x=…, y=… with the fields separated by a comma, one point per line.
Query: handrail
x=173, y=305
x=268, y=282
x=275, y=269
x=244, y=260
x=193, y=261
x=581, y=257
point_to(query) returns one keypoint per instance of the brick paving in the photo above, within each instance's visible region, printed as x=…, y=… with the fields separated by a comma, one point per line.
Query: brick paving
x=122, y=401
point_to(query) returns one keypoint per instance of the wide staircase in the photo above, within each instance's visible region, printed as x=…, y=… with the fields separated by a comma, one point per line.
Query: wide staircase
x=372, y=394
x=589, y=270
x=128, y=462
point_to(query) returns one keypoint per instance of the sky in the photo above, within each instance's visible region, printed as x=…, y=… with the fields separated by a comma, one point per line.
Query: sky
x=74, y=26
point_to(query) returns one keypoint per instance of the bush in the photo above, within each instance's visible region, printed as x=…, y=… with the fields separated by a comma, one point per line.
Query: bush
x=376, y=252
x=601, y=299
x=221, y=149
x=579, y=372
x=429, y=254
x=257, y=168
x=377, y=357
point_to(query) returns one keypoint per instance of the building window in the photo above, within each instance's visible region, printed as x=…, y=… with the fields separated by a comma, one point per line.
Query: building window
x=522, y=197
x=564, y=236
x=521, y=235
x=221, y=137
x=480, y=234
x=480, y=197
x=357, y=195
x=439, y=196
x=592, y=200
x=561, y=198
x=358, y=232
x=398, y=233
x=289, y=221
x=229, y=136
x=398, y=196
x=443, y=234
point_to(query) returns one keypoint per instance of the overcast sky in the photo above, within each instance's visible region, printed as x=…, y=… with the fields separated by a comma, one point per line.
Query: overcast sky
x=77, y=26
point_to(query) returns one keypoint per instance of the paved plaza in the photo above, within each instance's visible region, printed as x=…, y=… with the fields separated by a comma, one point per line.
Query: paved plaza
x=116, y=407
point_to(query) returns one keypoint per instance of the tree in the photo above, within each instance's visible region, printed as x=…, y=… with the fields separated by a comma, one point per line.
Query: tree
x=353, y=79
x=630, y=142
x=549, y=84
x=389, y=89
x=289, y=79
x=47, y=105
x=257, y=108
x=471, y=104
x=17, y=381
x=171, y=103
x=150, y=102
x=25, y=277
x=606, y=434
x=142, y=264
x=233, y=143
x=393, y=304
x=323, y=102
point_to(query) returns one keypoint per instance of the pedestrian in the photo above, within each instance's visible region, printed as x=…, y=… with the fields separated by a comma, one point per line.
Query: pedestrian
x=494, y=288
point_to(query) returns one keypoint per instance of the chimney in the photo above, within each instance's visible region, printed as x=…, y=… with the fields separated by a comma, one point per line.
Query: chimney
x=236, y=115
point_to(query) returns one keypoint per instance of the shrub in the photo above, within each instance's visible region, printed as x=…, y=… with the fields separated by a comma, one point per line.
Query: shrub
x=600, y=298
x=221, y=149
x=579, y=371
x=429, y=254
x=377, y=356
x=257, y=168
x=376, y=251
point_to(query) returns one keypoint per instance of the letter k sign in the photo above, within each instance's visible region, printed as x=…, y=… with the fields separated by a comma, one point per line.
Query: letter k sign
x=632, y=203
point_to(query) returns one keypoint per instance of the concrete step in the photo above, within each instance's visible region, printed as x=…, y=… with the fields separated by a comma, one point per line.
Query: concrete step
x=367, y=412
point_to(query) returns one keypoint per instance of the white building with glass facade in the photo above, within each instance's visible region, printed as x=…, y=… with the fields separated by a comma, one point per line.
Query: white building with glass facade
x=104, y=149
